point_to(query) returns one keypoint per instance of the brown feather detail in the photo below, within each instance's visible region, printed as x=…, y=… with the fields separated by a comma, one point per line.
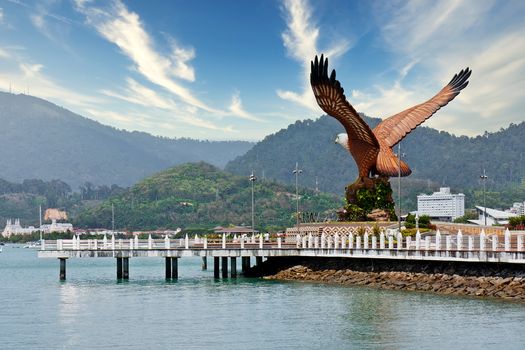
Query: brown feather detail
x=395, y=128
x=330, y=96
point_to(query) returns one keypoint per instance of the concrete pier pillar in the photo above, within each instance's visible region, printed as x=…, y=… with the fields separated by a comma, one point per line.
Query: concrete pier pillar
x=168, y=268
x=174, y=268
x=224, y=264
x=258, y=260
x=390, y=242
x=216, y=267
x=245, y=263
x=125, y=268
x=119, y=268
x=204, y=263
x=62, y=274
x=233, y=267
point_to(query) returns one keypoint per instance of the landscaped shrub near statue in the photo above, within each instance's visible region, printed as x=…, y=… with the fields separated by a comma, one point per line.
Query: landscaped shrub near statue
x=517, y=223
x=424, y=221
x=362, y=200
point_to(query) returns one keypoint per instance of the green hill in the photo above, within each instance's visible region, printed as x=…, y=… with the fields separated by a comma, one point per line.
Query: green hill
x=201, y=195
x=436, y=158
x=44, y=141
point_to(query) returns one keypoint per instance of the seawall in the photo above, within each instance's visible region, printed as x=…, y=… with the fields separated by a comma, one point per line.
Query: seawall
x=506, y=281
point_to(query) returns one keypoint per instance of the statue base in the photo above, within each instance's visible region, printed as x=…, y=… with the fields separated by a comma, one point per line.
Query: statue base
x=368, y=199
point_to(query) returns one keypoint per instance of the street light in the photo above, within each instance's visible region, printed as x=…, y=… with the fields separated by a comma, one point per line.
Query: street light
x=484, y=178
x=399, y=155
x=297, y=172
x=252, y=180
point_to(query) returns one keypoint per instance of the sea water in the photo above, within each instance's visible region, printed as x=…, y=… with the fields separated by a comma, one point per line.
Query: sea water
x=92, y=310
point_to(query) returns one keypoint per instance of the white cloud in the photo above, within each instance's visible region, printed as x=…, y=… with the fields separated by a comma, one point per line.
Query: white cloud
x=236, y=109
x=141, y=95
x=31, y=76
x=125, y=29
x=440, y=38
x=300, y=40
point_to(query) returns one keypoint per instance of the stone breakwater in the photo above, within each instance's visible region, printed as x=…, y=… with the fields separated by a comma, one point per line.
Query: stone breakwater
x=482, y=280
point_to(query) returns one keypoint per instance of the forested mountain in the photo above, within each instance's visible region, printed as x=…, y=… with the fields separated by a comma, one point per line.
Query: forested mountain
x=437, y=158
x=199, y=195
x=22, y=200
x=44, y=141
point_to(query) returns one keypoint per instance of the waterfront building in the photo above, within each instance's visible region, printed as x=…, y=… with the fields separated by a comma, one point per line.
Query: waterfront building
x=57, y=227
x=493, y=216
x=442, y=205
x=517, y=208
x=13, y=227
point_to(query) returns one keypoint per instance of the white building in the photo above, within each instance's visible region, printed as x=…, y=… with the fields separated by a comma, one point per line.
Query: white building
x=441, y=205
x=57, y=227
x=494, y=217
x=517, y=208
x=13, y=227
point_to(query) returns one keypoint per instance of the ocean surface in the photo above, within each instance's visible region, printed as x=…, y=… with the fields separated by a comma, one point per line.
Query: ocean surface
x=91, y=310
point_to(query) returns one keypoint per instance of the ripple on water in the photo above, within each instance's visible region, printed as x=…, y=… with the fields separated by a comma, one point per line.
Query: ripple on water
x=92, y=310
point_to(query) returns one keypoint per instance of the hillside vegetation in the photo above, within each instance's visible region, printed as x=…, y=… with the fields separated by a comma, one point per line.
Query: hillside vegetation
x=44, y=141
x=436, y=159
x=199, y=195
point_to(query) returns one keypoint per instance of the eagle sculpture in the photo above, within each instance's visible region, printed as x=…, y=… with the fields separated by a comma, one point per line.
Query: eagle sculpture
x=372, y=149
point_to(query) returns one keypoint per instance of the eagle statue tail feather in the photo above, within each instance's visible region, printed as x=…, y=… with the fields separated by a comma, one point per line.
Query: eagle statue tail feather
x=387, y=164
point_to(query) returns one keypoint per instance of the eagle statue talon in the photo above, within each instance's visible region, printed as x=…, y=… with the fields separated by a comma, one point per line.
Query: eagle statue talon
x=372, y=149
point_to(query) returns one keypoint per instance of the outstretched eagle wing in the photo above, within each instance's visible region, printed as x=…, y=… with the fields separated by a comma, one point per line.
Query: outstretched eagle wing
x=396, y=127
x=331, y=98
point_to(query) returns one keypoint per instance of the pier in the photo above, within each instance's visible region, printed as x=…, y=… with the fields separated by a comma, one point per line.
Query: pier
x=225, y=252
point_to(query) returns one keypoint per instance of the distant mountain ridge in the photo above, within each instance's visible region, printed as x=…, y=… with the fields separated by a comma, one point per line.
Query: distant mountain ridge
x=44, y=141
x=434, y=156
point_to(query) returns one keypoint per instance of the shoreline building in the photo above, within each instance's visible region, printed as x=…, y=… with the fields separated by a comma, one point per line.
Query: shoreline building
x=493, y=216
x=442, y=205
x=517, y=208
x=13, y=227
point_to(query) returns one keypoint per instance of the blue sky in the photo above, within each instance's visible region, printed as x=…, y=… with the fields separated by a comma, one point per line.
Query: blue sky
x=225, y=70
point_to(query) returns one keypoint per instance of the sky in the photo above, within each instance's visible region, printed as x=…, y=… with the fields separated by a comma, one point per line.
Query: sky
x=238, y=70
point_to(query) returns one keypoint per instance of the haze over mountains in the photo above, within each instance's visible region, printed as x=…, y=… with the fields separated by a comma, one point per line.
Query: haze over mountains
x=44, y=141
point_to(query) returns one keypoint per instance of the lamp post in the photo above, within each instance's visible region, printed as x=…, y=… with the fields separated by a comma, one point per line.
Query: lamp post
x=252, y=180
x=297, y=172
x=484, y=178
x=399, y=155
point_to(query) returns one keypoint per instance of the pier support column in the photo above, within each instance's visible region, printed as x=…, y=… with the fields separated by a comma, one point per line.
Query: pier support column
x=258, y=260
x=233, y=267
x=119, y=268
x=174, y=268
x=204, y=263
x=245, y=263
x=168, y=268
x=62, y=274
x=216, y=267
x=224, y=267
x=125, y=268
